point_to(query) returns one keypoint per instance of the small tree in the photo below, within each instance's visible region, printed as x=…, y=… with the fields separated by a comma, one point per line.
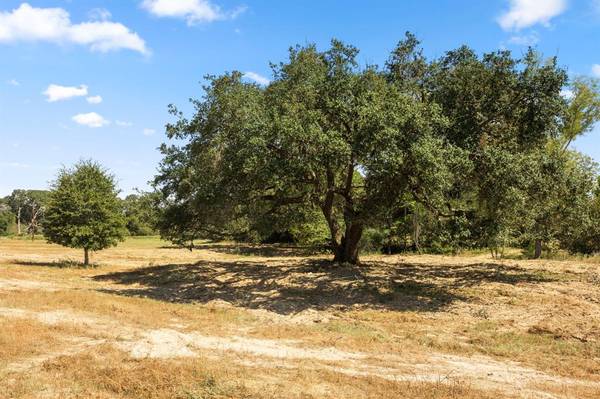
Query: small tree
x=84, y=210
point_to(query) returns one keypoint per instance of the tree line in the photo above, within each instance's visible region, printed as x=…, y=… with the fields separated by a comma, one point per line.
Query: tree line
x=459, y=152
x=23, y=212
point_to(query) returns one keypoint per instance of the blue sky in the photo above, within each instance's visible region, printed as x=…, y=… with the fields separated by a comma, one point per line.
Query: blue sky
x=93, y=78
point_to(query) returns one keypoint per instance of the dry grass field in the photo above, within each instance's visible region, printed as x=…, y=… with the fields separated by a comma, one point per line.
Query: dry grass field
x=239, y=321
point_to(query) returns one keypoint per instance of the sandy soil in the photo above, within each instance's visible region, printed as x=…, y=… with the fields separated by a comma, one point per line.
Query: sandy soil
x=482, y=371
x=398, y=318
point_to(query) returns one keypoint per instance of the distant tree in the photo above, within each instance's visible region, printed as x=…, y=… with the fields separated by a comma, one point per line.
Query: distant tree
x=5, y=204
x=141, y=213
x=560, y=211
x=563, y=205
x=17, y=201
x=84, y=210
x=6, y=221
x=35, y=223
x=36, y=207
x=580, y=223
x=583, y=110
x=7, y=218
x=28, y=207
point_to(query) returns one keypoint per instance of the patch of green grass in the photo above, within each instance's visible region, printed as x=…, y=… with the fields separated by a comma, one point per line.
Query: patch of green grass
x=143, y=242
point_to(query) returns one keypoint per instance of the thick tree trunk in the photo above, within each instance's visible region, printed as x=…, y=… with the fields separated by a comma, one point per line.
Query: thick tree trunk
x=344, y=246
x=538, y=249
x=86, y=257
x=347, y=251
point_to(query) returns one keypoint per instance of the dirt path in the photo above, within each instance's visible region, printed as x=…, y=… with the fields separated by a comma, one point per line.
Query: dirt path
x=480, y=371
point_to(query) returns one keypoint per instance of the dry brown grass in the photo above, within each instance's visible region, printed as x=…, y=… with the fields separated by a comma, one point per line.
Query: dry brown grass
x=407, y=326
x=108, y=373
x=22, y=338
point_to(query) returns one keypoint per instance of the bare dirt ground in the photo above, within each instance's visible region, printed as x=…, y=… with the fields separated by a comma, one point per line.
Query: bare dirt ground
x=239, y=321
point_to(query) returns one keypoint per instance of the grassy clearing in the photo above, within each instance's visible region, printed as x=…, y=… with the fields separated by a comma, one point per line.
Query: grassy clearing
x=544, y=315
x=108, y=373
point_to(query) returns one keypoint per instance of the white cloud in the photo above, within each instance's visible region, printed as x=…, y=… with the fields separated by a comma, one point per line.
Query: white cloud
x=596, y=70
x=525, y=40
x=13, y=82
x=148, y=132
x=91, y=119
x=60, y=93
x=526, y=13
x=94, y=99
x=30, y=24
x=255, y=77
x=123, y=123
x=193, y=11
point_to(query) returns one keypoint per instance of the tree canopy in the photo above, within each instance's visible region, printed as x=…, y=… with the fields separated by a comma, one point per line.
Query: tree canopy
x=454, y=135
x=583, y=109
x=84, y=210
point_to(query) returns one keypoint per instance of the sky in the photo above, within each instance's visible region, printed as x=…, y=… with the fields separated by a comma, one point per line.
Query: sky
x=83, y=79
